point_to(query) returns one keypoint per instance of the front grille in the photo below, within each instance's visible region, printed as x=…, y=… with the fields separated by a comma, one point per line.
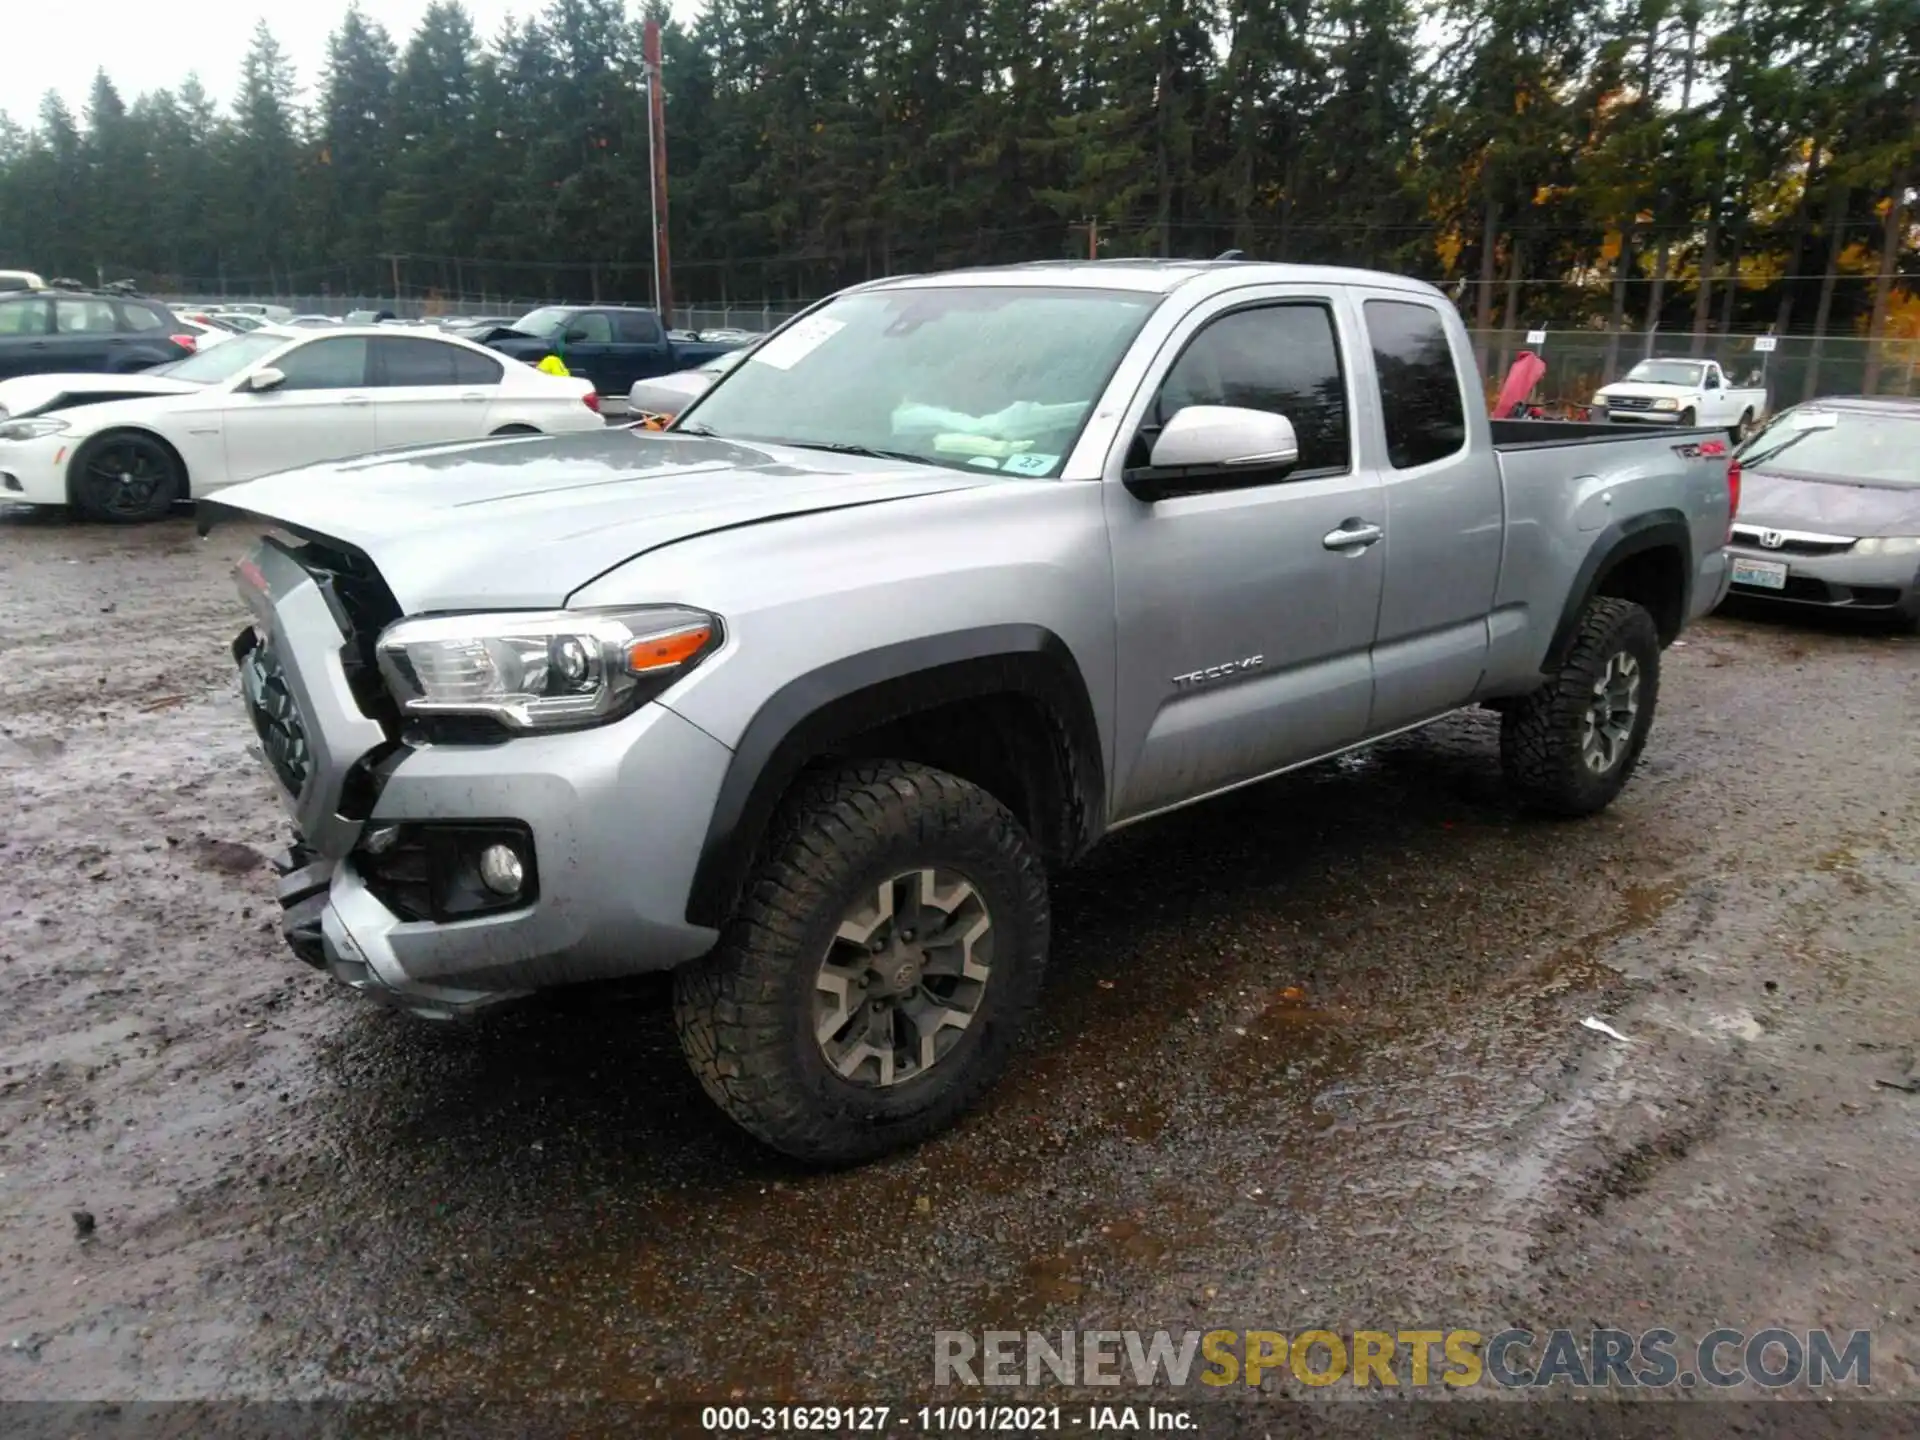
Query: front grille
x=276, y=718
x=1629, y=402
x=1791, y=544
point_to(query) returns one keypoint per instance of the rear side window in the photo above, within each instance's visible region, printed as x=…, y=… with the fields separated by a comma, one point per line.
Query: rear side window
x=1280, y=358
x=1420, y=401
x=140, y=319
x=414, y=362
x=472, y=368
x=337, y=364
x=85, y=317
x=639, y=328
x=23, y=317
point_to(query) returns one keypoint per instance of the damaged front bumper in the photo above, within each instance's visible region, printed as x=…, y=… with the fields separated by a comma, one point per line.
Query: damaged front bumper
x=612, y=820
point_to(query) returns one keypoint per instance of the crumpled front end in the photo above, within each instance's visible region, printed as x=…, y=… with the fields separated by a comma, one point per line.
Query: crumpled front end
x=390, y=884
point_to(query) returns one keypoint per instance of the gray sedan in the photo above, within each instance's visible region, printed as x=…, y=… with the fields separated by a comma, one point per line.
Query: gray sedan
x=1830, y=509
x=665, y=396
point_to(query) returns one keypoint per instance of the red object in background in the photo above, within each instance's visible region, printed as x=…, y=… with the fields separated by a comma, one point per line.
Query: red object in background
x=1521, y=379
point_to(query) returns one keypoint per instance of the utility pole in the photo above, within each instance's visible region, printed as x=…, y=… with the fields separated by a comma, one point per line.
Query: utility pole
x=395, y=261
x=657, y=164
x=1093, y=237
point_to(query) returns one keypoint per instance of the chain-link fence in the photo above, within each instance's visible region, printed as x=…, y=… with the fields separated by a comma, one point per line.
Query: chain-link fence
x=754, y=318
x=1796, y=368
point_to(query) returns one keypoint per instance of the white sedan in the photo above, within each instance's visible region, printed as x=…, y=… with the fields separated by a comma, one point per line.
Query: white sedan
x=125, y=447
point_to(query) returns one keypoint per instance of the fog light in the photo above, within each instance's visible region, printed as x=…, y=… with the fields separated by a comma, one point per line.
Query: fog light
x=501, y=870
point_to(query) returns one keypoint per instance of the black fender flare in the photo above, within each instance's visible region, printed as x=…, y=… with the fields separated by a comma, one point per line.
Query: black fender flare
x=1664, y=529
x=810, y=714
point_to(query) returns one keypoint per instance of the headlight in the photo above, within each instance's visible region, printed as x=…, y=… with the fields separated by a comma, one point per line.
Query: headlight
x=31, y=429
x=1667, y=404
x=1888, y=545
x=543, y=670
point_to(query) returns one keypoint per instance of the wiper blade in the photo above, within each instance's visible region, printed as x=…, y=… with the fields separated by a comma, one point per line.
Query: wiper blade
x=1760, y=458
x=839, y=447
x=696, y=429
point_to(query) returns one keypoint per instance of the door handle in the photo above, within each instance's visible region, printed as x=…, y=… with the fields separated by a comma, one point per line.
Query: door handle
x=1353, y=535
x=473, y=395
x=353, y=399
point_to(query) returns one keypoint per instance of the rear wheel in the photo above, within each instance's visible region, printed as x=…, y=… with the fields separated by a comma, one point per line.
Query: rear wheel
x=1570, y=747
x=871, y=983
x=125, y=477
x=1744, y=428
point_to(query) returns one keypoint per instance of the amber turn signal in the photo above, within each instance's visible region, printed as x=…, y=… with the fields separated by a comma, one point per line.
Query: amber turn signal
x=663, y=652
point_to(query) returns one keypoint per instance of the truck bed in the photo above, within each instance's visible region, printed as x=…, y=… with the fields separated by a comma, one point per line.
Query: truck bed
x=1552, y=434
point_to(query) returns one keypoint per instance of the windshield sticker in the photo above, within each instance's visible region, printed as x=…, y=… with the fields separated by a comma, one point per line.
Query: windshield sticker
x=796, y=342
x=1031, y=463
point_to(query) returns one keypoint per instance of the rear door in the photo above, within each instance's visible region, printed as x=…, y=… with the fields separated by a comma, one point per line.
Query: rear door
x=644, y=352
x=322, y=411
x=419, y=395
x=26, y=336
x=1244, y=626
x=1445, y=517
x=86, y=335
x=590, y=351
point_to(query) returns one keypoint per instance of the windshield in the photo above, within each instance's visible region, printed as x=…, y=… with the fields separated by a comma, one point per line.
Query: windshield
x=995, y=378
x=544, y=323
x=1667, y=372
x=720, y=364
x=221, y=362
x=1872, y=446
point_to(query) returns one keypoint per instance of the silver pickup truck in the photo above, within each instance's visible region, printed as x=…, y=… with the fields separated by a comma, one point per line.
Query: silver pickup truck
x=804, y=698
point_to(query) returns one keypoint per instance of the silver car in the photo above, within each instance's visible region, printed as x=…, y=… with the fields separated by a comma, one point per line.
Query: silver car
x=1830, y=509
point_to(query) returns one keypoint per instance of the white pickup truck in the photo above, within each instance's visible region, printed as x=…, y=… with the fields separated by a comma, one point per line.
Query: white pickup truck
x=1682, y=393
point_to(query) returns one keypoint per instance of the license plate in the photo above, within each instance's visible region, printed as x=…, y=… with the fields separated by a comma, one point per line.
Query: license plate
x=1767, y=574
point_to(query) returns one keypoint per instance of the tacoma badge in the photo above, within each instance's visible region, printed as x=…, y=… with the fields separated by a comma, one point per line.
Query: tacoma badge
x=1218, y=672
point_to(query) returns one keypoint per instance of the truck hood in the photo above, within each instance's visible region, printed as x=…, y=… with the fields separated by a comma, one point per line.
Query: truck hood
x=1827, y=505
x=38, y=394
x=523, y=523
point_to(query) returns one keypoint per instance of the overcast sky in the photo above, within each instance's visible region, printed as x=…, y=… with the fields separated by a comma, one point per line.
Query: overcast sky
x=147, y=44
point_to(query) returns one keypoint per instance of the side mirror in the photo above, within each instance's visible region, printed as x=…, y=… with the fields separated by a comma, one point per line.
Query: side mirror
x=266, y=378
x=1209, y=447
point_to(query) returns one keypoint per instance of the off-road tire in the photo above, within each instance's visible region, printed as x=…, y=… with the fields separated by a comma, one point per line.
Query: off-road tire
x=743, y=1012
x=1541, y=738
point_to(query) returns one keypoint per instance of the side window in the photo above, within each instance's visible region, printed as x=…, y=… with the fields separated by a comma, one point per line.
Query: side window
x=1282, y=358
x=639, y=328
x=1420, y=401
x=594, y=329
x=1713, y=377
x=139, y=319
x=84, y=317
x=413, y=362
x=472, y=368
x=24, y=317
x=337, y=364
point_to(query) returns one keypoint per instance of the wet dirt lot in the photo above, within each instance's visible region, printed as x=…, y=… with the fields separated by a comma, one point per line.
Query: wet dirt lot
x=1311, y=1056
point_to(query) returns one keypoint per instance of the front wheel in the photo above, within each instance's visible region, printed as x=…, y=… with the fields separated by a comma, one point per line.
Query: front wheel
x=870, y=984
x=1689, y=418
x=125, y=478
x=1570, y=747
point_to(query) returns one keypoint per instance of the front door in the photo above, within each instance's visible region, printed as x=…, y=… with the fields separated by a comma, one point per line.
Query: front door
x=590, y=351
x=1244, y=625
x=322, y=411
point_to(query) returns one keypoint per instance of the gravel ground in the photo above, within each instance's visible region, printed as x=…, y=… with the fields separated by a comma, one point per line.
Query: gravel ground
x=1311, y=1056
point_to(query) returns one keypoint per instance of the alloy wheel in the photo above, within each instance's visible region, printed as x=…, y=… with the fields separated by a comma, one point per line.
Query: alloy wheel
x=1608, y=726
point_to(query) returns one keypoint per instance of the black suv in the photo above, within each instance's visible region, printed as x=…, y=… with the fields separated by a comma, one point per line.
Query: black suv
x=61, y=331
